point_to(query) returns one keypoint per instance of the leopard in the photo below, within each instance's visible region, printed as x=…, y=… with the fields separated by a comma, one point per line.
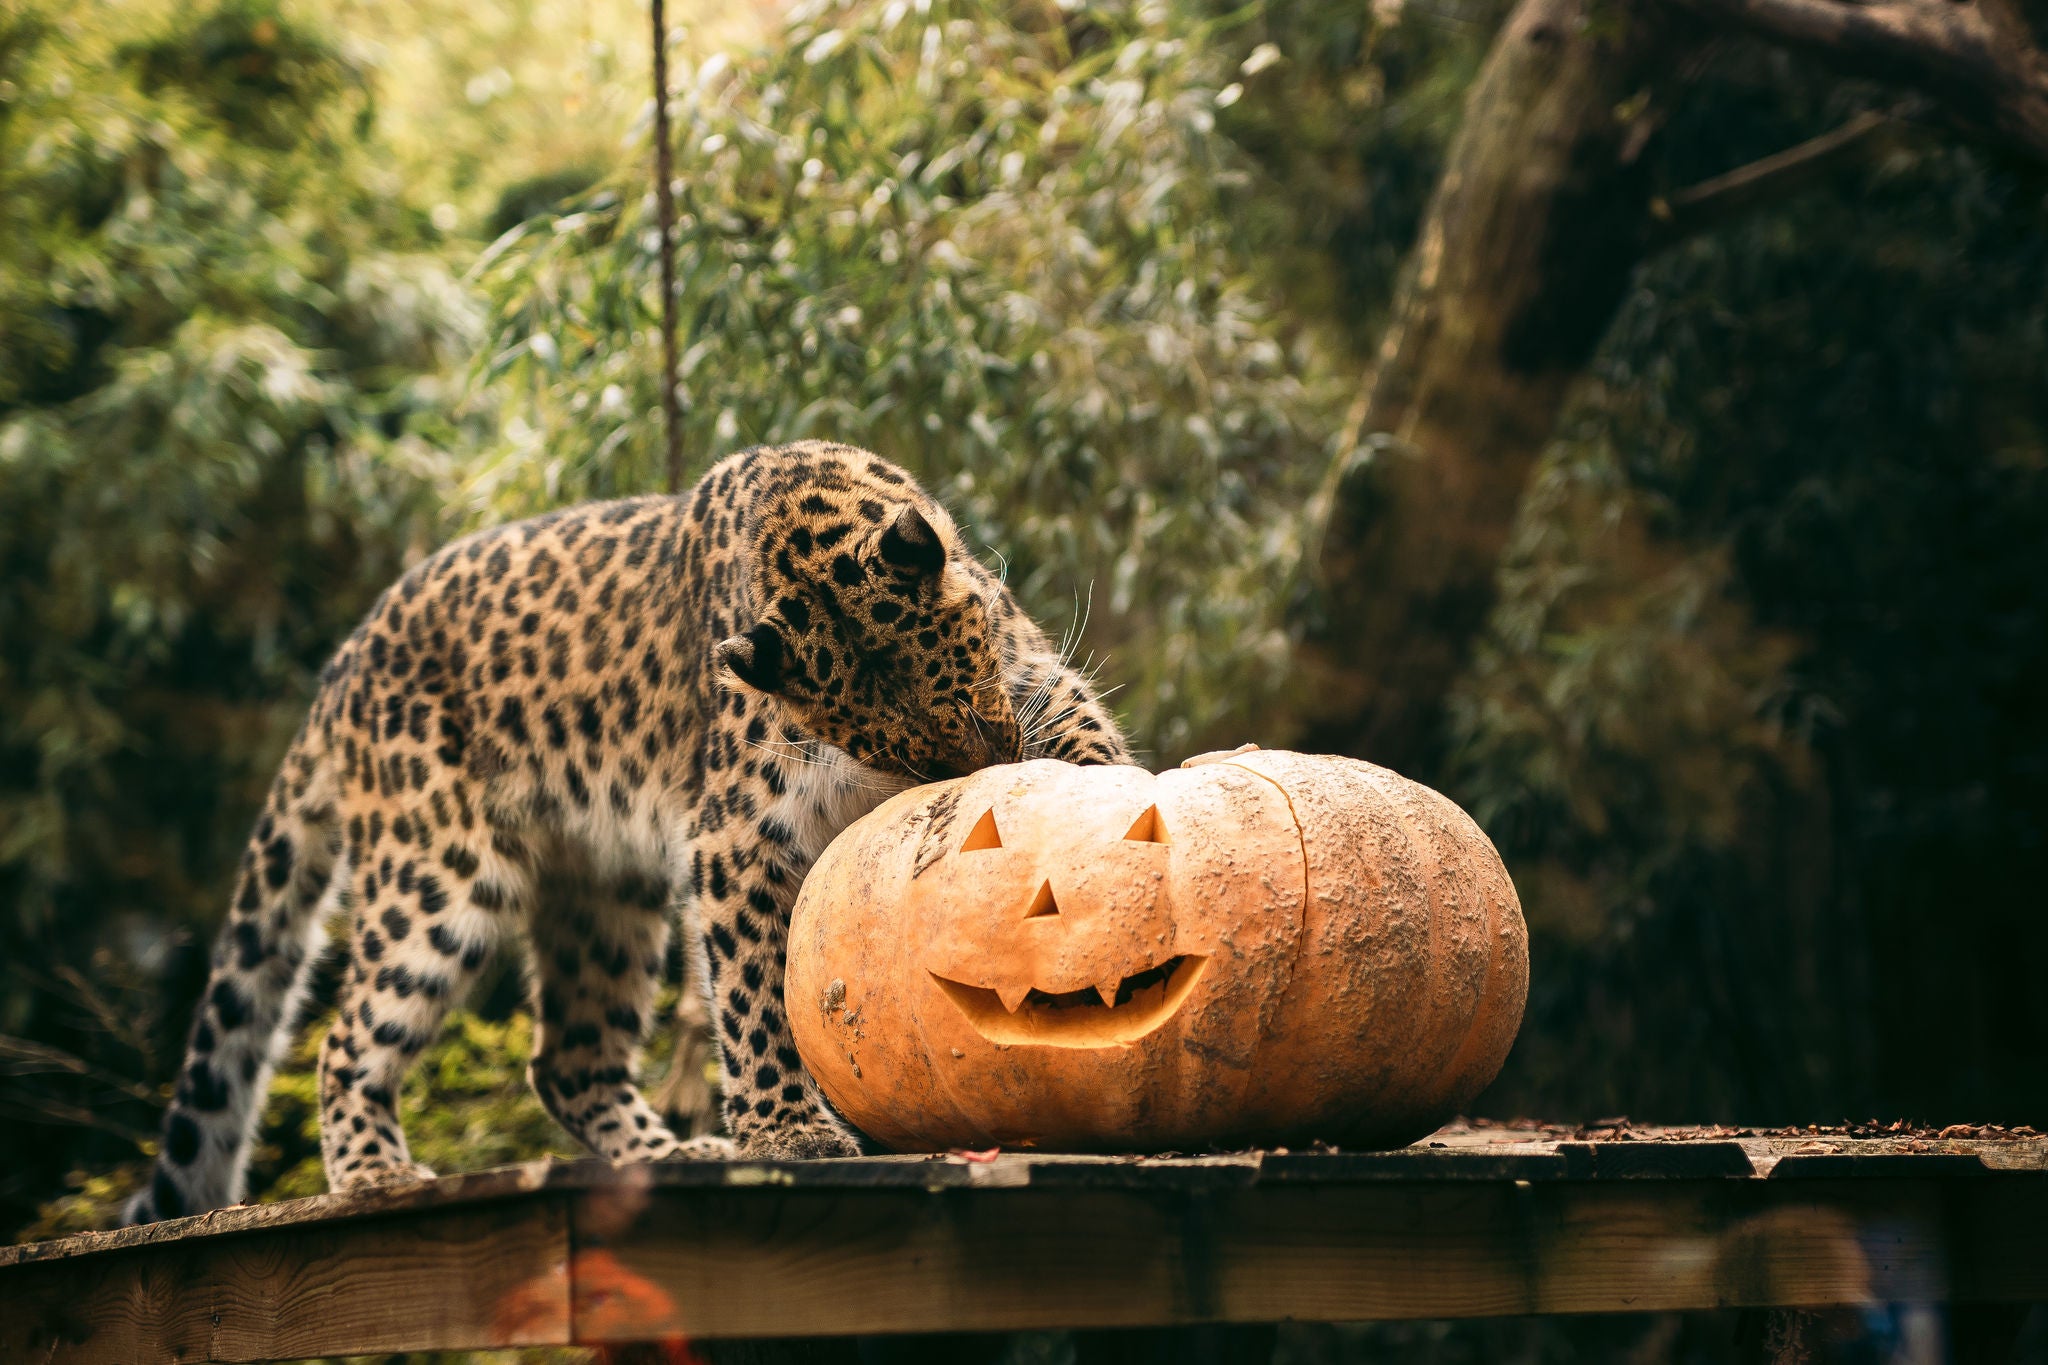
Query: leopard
x=578, y=731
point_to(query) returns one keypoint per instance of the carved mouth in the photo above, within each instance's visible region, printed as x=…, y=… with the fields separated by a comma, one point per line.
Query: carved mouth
x=1140, y=1003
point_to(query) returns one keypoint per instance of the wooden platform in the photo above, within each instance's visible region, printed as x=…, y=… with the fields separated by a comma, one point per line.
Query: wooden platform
x=1481, y=1222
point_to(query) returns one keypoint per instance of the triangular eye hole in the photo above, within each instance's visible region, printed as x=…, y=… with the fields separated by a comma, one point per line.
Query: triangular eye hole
x=983, y=835
x=1042, y=904
x=1149, y=829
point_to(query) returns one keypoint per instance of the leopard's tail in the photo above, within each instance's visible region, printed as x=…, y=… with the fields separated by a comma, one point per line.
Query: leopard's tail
x=260, y=963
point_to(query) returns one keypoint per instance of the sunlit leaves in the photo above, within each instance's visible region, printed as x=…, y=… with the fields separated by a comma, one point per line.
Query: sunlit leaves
x=225, y=354
x=223, y=424
x=1013, y=256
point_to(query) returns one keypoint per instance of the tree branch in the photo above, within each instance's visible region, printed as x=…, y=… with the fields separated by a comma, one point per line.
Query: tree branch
x=1976, y=58
x=1697, y=208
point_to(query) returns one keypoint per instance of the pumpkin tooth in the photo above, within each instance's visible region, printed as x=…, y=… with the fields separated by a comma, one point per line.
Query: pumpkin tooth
x=1012, y=996
x=1108, y=989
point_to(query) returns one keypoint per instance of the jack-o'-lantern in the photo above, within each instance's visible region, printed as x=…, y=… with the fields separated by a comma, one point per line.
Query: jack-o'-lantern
x=1265, y=946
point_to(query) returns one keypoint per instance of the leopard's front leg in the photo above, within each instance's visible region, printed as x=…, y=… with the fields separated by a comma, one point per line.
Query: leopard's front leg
x=744, y=874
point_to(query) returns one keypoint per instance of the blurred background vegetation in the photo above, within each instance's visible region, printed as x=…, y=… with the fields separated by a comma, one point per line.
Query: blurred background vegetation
x=1752, y=700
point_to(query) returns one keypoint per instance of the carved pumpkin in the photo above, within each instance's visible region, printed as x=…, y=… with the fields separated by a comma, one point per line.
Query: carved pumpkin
x=1262, y=946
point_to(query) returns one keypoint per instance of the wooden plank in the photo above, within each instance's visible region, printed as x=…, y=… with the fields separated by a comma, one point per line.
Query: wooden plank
x=473, y=1187
x=801, y=1263
x=737, y=1264
x=1462, y=1155
x=583, y=1252
x=1632, y=1246
x=486, y=1274
x=1999, y=1149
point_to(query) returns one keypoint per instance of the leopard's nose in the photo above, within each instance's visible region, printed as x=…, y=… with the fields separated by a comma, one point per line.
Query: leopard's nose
x=973, y=757
x=1004, y=743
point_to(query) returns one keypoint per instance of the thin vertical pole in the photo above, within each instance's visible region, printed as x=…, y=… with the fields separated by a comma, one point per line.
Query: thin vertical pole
x=665, y=213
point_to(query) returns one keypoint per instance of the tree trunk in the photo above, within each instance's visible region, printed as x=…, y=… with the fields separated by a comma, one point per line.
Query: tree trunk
x=1528, y=244
x=1540, y=218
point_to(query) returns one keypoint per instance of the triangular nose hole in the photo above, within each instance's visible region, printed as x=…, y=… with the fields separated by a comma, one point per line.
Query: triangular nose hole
x=983, y=835
x=1148, y=829
x=1042, y=904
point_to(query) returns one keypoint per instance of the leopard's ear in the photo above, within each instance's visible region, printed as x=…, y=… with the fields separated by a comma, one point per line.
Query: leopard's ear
x=911, y=542
x=757, y=658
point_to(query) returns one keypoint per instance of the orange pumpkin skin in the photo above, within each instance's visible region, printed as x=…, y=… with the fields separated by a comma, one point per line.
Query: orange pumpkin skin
x=1291, y=947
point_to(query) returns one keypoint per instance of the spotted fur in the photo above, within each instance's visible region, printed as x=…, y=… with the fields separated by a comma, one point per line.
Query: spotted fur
x=572, y=725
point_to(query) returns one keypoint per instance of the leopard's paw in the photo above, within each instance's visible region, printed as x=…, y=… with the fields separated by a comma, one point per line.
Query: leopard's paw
x=395, y=1175
x=709, y=1147
x=809, y=1140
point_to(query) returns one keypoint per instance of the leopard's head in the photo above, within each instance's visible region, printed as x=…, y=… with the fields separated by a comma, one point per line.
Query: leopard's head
x=877, y=635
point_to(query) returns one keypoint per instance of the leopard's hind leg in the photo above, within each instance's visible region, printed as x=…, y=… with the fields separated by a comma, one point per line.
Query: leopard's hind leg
x=599, y=945
x=433, y=890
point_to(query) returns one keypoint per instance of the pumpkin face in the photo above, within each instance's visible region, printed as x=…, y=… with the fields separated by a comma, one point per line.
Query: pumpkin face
x=1067, y=917
x=1083, y=958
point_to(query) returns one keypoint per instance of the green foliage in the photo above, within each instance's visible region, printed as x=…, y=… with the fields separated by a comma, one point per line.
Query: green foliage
x=480, y=109
x=1348, y=109
x=248, y=67
x=213, y=426
x=223, y=417
x=1010, y=252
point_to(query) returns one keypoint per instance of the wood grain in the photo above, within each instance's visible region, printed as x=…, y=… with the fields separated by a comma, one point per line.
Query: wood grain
x=488, y=1275
x=587, y=1253
x=473, y=1187
x=996, y=1260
